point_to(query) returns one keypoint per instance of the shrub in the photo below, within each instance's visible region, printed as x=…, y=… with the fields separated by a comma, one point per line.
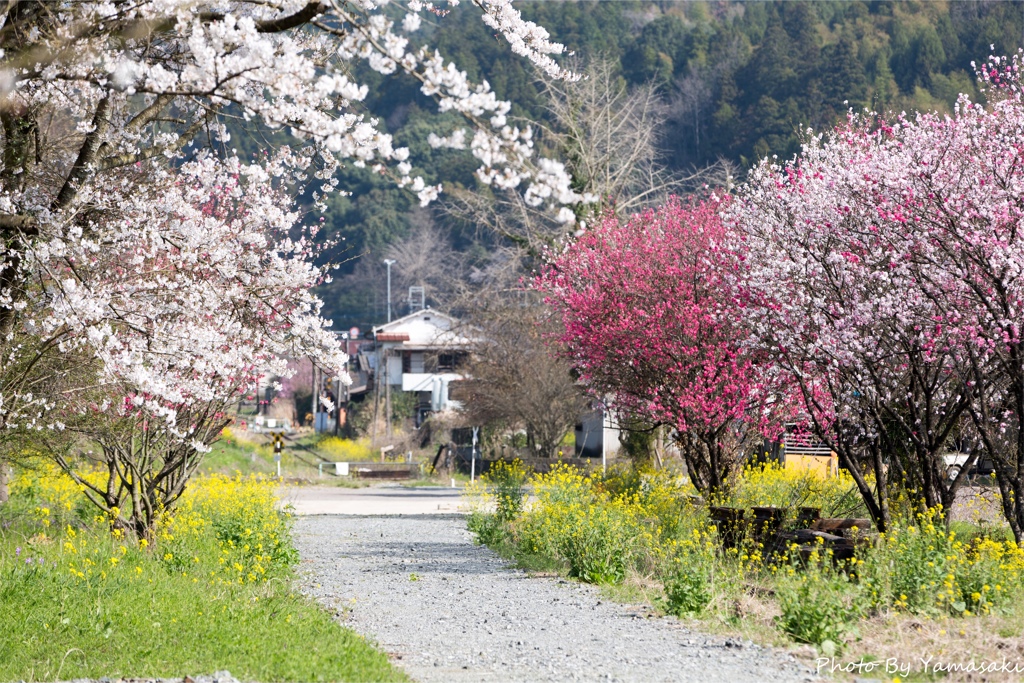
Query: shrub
x=507, y=481
x=42, y=491
x=561, y=494
x=574, y=521
x=922, y=568
x=345, y=450
x=772, y=484
x=690, y=576
x=239, y=517
x=598, y=543
x=819, y=603
x=687, y=590
x=661, y=496
x=602, y=528
x=489, y=529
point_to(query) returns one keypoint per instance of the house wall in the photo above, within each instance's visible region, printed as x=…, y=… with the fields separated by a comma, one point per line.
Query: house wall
x=394, y=369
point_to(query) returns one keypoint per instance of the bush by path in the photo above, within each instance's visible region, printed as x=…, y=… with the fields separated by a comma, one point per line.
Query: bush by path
x=645, y=528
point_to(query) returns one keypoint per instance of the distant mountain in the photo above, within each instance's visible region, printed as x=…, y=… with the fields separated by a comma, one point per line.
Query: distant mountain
x=740, y=81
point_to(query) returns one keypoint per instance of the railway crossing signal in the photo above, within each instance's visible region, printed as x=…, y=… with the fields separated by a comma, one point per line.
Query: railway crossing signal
x=278, y=449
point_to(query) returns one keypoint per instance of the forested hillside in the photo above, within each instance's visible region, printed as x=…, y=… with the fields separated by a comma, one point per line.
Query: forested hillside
x=738, y=81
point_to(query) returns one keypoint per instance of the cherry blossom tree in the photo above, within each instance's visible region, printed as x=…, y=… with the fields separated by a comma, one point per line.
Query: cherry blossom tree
x=109, y=240
x=651, y=323
x=179, y=301
x=91, y=88
x=961, y=192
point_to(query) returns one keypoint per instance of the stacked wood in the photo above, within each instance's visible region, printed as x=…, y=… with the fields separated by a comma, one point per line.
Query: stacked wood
x=840, y=535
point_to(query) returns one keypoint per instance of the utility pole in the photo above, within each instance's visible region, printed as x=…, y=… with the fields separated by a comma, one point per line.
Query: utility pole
x=388, y=262
x=315, y=408
x=378, y=373
x=314, y=403
x=337, y=405
x=387, y=395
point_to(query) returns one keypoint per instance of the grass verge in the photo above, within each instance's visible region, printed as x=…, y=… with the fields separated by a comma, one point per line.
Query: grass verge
x=213, y=590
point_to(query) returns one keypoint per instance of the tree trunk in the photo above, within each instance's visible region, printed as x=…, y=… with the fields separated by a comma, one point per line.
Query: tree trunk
x=5, y=482
x=878, y=507
x=708, y=463
x=1011, y=490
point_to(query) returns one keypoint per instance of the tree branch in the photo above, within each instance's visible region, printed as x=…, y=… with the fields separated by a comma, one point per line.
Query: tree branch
x=26, y=225
x=86, y=155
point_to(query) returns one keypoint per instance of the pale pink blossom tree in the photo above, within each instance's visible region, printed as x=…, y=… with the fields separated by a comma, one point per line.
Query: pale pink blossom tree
x=108, y=258
x=180, y=300
x=91, y=89
x=845, y=303
x=962, y=193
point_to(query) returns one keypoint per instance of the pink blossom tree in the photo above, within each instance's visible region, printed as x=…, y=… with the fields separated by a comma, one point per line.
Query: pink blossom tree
x=846, y=304
x=102, y=103
x=96, y=89
x=651, y=325
x=961, y=191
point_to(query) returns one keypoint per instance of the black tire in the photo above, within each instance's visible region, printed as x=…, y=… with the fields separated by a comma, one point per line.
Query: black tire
x=953, y=471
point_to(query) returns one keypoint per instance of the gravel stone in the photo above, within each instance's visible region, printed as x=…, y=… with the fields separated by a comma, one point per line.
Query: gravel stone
x=447, y=610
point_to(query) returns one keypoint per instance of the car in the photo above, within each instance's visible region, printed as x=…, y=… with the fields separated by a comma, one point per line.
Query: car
x=955, y=463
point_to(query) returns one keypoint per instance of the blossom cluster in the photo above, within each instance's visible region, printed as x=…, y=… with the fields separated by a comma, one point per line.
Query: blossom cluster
x=195, y=291
x=654, y=278
x=138, y=245
x=871, y=290
x=284, y=63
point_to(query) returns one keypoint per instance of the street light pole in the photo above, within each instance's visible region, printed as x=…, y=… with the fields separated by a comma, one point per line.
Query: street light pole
x=388, y=263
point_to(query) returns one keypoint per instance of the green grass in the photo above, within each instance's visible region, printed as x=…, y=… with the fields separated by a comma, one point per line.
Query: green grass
x=77, y=601
x=495, y=536
x=60, y=628
x=230, y=455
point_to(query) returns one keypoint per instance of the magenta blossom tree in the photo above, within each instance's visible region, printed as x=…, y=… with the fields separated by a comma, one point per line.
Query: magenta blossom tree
x=651, y=326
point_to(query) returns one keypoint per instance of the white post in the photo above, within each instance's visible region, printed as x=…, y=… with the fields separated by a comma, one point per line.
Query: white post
x=388, y=263
x=472, y=459
x=604, y=442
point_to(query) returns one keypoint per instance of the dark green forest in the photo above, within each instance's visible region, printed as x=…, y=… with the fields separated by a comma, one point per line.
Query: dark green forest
x=738, y=81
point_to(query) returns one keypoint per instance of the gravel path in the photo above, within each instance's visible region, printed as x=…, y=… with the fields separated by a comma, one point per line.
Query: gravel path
x=448, y=610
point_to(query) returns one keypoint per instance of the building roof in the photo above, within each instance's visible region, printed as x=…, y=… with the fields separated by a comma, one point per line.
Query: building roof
x=426, y=329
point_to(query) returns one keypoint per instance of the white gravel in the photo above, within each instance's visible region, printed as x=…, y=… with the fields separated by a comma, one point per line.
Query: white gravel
x=448, y=610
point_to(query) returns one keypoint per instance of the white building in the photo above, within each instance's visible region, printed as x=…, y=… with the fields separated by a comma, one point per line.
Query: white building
x=422, y=353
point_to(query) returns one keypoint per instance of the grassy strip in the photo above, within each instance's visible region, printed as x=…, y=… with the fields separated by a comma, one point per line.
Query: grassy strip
x=213, y=591
x=160, y=625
